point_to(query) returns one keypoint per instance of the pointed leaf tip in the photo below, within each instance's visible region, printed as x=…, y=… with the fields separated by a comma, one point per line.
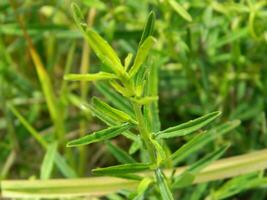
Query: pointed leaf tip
x=188, y=127
x=101, y=135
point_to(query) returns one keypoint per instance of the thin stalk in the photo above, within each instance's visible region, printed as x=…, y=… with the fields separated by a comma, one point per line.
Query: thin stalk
x=143, y=130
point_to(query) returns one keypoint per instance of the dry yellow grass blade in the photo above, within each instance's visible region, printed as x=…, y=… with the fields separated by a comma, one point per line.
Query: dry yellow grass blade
x=98, y=186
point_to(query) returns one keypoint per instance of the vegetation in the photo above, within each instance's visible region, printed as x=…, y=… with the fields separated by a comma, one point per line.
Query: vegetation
x=173, y=84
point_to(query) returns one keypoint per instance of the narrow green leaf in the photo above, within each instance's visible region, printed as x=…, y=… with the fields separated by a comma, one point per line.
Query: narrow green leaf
x=98, y=136
x=202, y=139
x=116, y=99
x=141, y=81
x=183, y=180
x=236, y=185
x=161, y=154
x=122, y=169
x=135, y=146
x=78, y=17
x=60, y=161
x=180, y=10
x=202, y=163
x=141, y=55
x=149, y=27
x=121, y=155
x=163, y=185
x=187, y=177
x=28, y=126
x=110, y=112
x=64, y=167
x=105, y=118
x=151, y=110
x=47, y=165
x=231, y=37
x=128, y=61
x=142, y=188
x=102, y=49
x=120, y=89
x=188, y=127
x=90, y=77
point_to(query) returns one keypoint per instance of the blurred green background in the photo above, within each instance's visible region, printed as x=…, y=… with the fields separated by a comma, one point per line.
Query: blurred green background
x=216, y=61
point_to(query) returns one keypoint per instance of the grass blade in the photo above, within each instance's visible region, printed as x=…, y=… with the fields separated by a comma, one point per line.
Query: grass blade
x=99, y=186
x=47, y=165
x=204, y=162
x=121, y=155
x=187, y=177
x=164, y=188
x=238, y=184
x=188, y=127
x=202, y=139
x=60, y=161
x=97, y=136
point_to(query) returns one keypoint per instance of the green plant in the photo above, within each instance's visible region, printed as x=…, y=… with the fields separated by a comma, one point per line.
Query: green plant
x=137, y=117
x=209, y=55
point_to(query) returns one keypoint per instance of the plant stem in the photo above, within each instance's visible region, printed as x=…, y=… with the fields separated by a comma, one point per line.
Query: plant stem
x=143, y=130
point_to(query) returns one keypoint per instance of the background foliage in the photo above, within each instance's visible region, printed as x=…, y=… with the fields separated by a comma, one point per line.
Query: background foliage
x=213, y=59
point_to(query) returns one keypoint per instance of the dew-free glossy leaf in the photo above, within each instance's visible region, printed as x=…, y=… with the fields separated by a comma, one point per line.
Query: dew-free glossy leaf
x=104, y=51
x=202, y=139
x=149, y=27
x=122, y=169
x=188, y=127
x=90, y=77
x=98, y=136
x=141, y=55
x=100, y=46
